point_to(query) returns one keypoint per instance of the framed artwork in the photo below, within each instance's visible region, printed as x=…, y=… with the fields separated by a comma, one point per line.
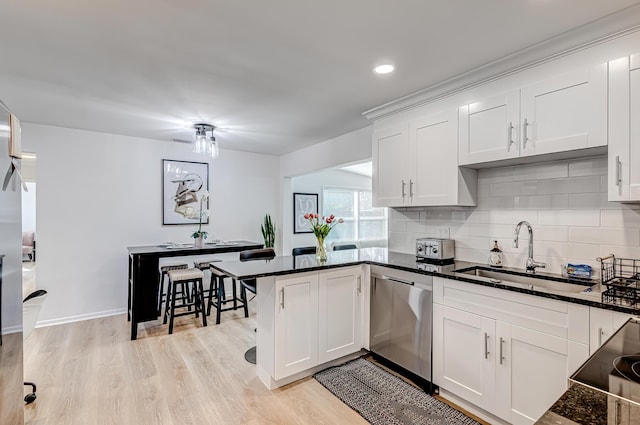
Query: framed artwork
x=303, y=203
x=183, y=184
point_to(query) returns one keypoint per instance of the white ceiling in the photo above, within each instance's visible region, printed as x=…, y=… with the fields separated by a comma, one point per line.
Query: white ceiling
x=275, y=75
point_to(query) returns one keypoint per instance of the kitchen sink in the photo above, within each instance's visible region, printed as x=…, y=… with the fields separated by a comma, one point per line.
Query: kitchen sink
x=524, y=281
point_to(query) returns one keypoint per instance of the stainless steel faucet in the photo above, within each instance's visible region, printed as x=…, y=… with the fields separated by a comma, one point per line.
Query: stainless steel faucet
x=531, y=263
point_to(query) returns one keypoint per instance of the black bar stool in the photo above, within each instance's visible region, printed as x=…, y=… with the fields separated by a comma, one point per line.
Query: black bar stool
x=218, y=298
x=303, y=250
x=163, y=272
x=250, y=285
x=192, y=295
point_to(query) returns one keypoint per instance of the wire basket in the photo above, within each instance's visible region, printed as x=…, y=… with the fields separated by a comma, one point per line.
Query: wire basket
x=621, y=276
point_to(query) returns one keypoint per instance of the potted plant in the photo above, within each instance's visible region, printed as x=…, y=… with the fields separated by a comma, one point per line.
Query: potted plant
x=199, y=235
x=268, y=232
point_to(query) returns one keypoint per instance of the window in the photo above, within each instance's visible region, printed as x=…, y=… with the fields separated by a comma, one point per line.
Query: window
x=362, y=222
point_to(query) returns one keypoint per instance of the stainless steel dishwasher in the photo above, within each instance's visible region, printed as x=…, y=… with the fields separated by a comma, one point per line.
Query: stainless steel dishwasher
x=401, y=322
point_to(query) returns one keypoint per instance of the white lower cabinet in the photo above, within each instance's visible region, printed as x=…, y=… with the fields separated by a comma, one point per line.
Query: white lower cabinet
x=340, y=314
x=463, y=358
x=296, y=325
x=318, y=318
x=602, y=325
x=509, y=354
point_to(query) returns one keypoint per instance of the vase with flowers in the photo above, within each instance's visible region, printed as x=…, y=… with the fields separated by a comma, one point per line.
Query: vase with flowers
x=321, y=226
x=199, y=235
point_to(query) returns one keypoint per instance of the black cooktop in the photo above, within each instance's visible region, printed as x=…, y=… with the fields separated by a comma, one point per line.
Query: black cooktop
x=615, y=367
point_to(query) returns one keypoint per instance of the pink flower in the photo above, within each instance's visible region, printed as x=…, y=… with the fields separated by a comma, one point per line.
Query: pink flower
x=306, y=216
x=340, y=221
x=329, y=221
x=315, y=216
x=332, y=216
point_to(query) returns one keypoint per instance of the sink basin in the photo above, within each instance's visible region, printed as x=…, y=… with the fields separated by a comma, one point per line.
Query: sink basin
x=522, y=280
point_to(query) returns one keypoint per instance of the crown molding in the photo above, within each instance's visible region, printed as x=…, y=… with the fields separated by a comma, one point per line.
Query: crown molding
x=610, y=27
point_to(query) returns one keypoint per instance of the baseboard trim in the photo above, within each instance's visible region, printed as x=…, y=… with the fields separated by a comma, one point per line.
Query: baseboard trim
x=79, y=317
x=11, y=330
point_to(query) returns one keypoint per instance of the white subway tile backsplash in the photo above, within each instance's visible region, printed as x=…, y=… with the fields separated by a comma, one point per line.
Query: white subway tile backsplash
x=569, y=217
x=565, y=201
x=588, y=167
x=569, y=185
x=552, y=170
x=541, y=201
x=605, y=235
x=621, y=218
x=495, y=175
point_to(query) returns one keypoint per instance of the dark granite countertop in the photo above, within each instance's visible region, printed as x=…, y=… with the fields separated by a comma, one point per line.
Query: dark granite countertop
x=578, y=405
x=284, y=265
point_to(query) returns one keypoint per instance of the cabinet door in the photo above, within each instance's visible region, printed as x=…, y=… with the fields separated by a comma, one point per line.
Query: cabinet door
x=340, y=315
x=602, y=325
x=565, y=113
x=531, y=372
x=390, y=175
x=463, y=355
x=488, y=129
x=296, y=325
x=434, y=156
x=619, y=130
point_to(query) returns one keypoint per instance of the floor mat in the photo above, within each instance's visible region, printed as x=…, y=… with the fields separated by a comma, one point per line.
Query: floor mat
x=384, y=399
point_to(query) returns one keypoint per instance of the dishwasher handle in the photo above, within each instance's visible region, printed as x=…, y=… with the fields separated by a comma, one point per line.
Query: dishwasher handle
x=393, y=279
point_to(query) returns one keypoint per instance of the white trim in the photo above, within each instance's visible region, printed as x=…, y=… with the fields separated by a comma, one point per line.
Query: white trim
x=80, y=317
x=11, y=329
x=611, y=27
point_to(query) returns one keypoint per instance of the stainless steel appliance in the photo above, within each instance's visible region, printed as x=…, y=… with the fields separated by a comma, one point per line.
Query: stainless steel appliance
x=614, y=370
x=401, y=320
x=435, y=249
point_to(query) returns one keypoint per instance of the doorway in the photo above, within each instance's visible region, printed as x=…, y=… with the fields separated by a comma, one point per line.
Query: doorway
x=29, y=234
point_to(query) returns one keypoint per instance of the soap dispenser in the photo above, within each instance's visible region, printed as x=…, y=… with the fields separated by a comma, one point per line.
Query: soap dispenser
x=495, y=257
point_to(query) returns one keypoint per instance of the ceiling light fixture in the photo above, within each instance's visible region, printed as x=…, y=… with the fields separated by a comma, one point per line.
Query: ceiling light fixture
x=205, y=142
x=384, y=69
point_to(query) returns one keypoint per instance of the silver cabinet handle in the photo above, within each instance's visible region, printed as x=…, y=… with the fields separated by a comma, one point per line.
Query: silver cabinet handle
x=510, y=140
x=403, y=185
x=359, y=284
x=600, y=333
x=486, y=345
x=395, y=279
x=618, y=171
x=525, y=138
x=282, y=299
x=410, y=188
x=502, y=341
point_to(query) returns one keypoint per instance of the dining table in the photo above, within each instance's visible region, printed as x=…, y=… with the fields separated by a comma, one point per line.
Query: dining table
x=144, y=273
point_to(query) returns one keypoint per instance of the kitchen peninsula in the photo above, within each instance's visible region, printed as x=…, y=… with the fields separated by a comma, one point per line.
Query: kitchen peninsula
x=312, y=314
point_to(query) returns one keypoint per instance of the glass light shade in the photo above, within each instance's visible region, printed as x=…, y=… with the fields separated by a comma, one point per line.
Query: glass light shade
x=213, y=146
x=201, y=145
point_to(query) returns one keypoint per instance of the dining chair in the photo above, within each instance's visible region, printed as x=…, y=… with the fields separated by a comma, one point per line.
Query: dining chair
x=303, y=250
x=343, y=247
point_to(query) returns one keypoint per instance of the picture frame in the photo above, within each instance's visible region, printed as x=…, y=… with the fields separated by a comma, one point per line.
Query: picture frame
x=303, y=203
x=183, y=185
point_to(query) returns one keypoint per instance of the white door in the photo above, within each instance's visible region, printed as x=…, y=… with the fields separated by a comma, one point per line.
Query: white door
x=531, y=372
x=565, y=113
x=488, y=129
x=463, y=355
x=340, y=315
x=390, y=174
x=434, y=152
x=296, y=324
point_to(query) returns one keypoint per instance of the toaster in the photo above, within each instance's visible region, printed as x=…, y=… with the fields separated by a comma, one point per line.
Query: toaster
x=435, y=249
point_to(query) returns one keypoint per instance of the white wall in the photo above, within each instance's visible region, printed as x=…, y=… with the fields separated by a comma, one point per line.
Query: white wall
x=565, y=201
x=99, y=193
x=313, y=183
x=29, y=208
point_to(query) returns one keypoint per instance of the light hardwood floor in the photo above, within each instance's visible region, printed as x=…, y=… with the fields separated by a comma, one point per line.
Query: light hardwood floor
x=91, y=373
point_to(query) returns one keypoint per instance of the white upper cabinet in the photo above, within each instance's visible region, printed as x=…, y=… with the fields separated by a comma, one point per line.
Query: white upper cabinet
x=390, y=171
x=566, y=112
x=416, y=164
x=433, y=148
x=489, y=129
x=624, y=132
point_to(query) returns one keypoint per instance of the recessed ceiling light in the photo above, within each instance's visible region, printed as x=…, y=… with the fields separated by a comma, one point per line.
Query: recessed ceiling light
x=384, y=69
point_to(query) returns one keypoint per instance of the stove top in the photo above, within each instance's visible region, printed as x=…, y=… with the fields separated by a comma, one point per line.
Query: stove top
x=615, y=367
